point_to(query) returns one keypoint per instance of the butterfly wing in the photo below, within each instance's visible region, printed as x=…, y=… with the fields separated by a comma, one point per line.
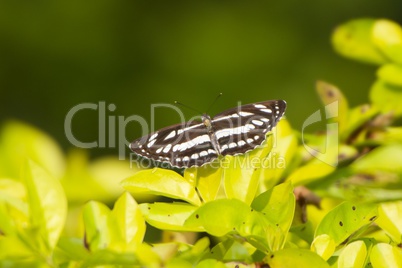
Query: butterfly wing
x=181, y=145
x=243, y=128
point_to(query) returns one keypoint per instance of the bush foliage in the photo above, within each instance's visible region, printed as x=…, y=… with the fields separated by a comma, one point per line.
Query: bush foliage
x=329, y=199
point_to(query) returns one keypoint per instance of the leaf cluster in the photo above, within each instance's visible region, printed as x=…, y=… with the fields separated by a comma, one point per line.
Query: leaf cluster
x=328, y=199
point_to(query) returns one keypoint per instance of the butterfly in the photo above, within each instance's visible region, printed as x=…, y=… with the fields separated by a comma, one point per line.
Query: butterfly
x=194, y=143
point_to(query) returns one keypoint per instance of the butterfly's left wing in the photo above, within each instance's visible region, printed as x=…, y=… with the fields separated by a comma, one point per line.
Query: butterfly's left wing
x=243, y=128
x=181, y=145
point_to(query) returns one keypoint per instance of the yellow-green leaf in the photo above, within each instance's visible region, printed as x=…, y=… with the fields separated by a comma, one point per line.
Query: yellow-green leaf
x=47, y=203
x=353, y=255
x=384, y=256
x=162, y=182
x=207, y=179
x=353, y=39
x=324, y=246
x=169, y=216
x=386, y=97
x=293, y=257
x=130, y=221
x=390, y=220
x=242, y=172
x=387, y=36
x=345, y=219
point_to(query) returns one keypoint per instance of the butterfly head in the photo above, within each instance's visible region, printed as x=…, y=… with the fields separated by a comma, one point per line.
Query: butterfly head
x=206, y=119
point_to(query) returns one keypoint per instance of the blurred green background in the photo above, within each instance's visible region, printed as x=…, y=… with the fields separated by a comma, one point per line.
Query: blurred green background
x=57, y=54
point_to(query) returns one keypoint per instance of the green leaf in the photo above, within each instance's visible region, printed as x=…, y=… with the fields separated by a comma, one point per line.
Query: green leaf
x=178, y=263
x=386, y=97
x=129, y=220
x=232, y=216
x=384, y=256
x=354, y=40
x=242, y=172
x=353, y=255
x=227, y=214
x=391, y=74
x=345, y=219
x=98, y=234
x=390, y=220
x=293, y=257
x=357, y=117
x=324, y=246
x=73, y=248
x=162, y=182
x=278, y=206
x=108, y=257
x=210, y=263
x=14, y=250
x=384, y=158
x=169, y=216
x=281, y=154
x=14, y=211
x=330, y=94
x=208, y=180
x=47, y=204
x=230, y=250
x=308, y=173
x=19, y=141
x=196, y=252
x=387, y=36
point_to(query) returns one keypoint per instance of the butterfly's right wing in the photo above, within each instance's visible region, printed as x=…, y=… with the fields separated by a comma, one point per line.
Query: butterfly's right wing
x=241, y=129
x=181, y=145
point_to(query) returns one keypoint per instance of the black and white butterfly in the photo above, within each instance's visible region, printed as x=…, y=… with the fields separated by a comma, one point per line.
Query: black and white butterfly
x=232, y=132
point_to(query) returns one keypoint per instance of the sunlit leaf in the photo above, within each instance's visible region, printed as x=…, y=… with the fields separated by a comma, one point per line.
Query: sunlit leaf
x=102, y=176
x=210, y=263
x=358, y=116
x=310, y=172
x=293, y=257
x=282, y=152
x=387, y=36
x=353, y=255
x=324, y=246
x=231, y=216
x=162, y=182
x=227, y=215
x=73, y=248
x=13, y=250
x=108, y=172
x=196, y=252
x=208, y=180
x=112, y=258
x=169, y=216
x=47, y=203
x=97, y=218
x=345, y=219
x=19, y=141
x=390, y=220
x=391, y=74
x=166, y=251
x=179, y=263
x=14, y=211
x=242, y=172
x=129, y=220
x=278, y=206
x=386, y=97
x=385, y=158
x=354, y=40
x=329, y=95
x=385, y=256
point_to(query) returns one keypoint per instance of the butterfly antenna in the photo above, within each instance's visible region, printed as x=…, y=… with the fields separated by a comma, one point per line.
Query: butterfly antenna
x=186, y=106
x=212, y=104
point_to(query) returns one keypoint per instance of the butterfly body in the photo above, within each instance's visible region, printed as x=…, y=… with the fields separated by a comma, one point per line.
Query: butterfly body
x=232, y=132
